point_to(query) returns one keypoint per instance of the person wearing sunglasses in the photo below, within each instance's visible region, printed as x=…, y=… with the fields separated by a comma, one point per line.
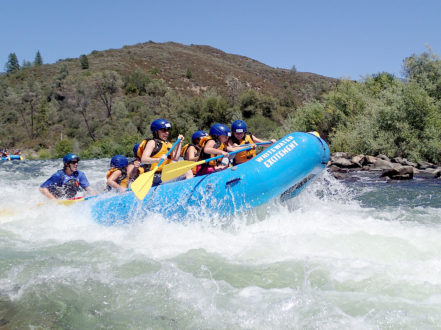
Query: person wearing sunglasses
x=152, y=150
x=66, y=183
x=212, y=145
x=241, y=136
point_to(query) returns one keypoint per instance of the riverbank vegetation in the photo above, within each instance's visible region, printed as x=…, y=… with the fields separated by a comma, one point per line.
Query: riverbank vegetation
x=382, y=114
x=101, y=104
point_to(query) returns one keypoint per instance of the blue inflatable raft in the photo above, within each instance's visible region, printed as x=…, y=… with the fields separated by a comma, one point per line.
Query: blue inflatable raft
x=280, y=171
x=12, y=157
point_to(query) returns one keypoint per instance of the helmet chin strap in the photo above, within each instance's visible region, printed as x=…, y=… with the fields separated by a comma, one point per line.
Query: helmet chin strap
x=68, y=166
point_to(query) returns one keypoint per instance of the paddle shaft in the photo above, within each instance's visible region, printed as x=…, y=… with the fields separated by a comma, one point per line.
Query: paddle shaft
x=234, y=152
x=168, y=153
x=221, y=156
x=143, y=183
x=174, y=170
x=257, y=144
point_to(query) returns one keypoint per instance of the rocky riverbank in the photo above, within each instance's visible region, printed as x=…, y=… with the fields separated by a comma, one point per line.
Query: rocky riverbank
x=341, y=165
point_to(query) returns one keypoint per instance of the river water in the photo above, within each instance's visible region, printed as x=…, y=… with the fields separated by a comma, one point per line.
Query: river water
x=354, y=254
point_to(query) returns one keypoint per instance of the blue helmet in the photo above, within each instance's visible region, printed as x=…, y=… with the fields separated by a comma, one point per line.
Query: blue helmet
x=239, y=126
x=158, y=124
x=219, y=129
x=70, y=157
x=135, y=150
x=119, y=161
x=198, y=135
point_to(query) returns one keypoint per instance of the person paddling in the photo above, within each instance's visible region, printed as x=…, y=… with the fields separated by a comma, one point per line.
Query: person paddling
x=241, y=136
x=118, y=176
x=214, y=144
x=192, y=150
x=152, y=150
x=135, y=168
x=66, y=183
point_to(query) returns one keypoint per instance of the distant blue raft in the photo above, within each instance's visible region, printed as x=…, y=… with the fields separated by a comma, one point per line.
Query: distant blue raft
x=12, y=157
x=280, y=171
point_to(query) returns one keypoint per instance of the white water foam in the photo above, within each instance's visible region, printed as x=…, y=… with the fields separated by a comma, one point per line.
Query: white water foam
x=319, y=260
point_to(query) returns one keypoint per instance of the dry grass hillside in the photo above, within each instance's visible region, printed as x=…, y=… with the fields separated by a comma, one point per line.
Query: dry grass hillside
x=70, y=100
x=209, y=67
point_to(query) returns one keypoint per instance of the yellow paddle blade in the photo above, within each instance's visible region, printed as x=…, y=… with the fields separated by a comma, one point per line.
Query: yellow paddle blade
x=173, y=170
x=6, y=212
x=65, y=202
x=142, y=184
x=68, y=202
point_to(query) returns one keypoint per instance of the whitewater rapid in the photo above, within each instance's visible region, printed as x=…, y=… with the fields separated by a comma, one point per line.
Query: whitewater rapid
x=340, y=255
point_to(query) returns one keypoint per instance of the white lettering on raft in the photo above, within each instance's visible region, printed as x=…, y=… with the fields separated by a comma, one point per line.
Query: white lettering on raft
x=270, y=157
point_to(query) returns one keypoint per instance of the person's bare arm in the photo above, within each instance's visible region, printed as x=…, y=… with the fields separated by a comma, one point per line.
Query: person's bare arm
x=146, y=155
x=209, y=149
x=111, y=181
x=177, y=152
x=47, y=193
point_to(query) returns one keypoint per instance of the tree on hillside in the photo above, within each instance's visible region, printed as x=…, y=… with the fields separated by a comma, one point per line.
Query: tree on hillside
x=38, y=60
x=24, y=102
x=30, y=98
x=26, y=64
x=235, y=87
x=107, y=85
x=12, y=65
x=9, y=115
x=42, y=119
x=84, y=62
x=57, y=83
x=249, y=101
x=214, y=109
x=78, y=100
x=136, y=83
x=425, y=69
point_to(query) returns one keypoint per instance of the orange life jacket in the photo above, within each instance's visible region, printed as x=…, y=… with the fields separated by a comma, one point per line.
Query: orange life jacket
x=184, y=150
x=140, y=170
x=122, y=180
x=203, y=155
x=161, y=148
x=186, y=147
x=242, y=157
x=185, y=155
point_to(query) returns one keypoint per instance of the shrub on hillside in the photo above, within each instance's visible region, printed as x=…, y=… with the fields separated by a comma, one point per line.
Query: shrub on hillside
x=111, y=146
x=311, y=117
x=262, y=127
x=63, y=147
x=84, y=62
x=136, y=83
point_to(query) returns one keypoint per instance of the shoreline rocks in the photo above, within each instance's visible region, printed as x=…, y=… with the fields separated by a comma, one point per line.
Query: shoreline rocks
x=398, y=168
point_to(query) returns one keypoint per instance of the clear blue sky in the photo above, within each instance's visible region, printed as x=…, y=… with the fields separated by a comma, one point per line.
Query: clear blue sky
x=348, y=38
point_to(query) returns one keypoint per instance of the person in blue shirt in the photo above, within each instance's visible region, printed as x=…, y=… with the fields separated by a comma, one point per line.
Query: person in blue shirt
x=67, y=182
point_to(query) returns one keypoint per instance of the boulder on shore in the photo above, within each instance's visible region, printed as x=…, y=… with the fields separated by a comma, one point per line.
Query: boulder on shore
x=422, y=165
x=381, y=164
x=397, y=168
x=399, y=173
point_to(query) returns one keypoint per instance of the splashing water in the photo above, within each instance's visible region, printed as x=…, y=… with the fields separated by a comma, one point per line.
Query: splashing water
x=363, y=254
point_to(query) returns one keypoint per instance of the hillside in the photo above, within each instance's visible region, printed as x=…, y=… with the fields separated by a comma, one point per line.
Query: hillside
x=210, y=68
x=189, y=71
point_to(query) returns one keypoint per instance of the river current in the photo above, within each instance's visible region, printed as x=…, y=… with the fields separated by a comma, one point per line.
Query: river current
x=354, y=254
